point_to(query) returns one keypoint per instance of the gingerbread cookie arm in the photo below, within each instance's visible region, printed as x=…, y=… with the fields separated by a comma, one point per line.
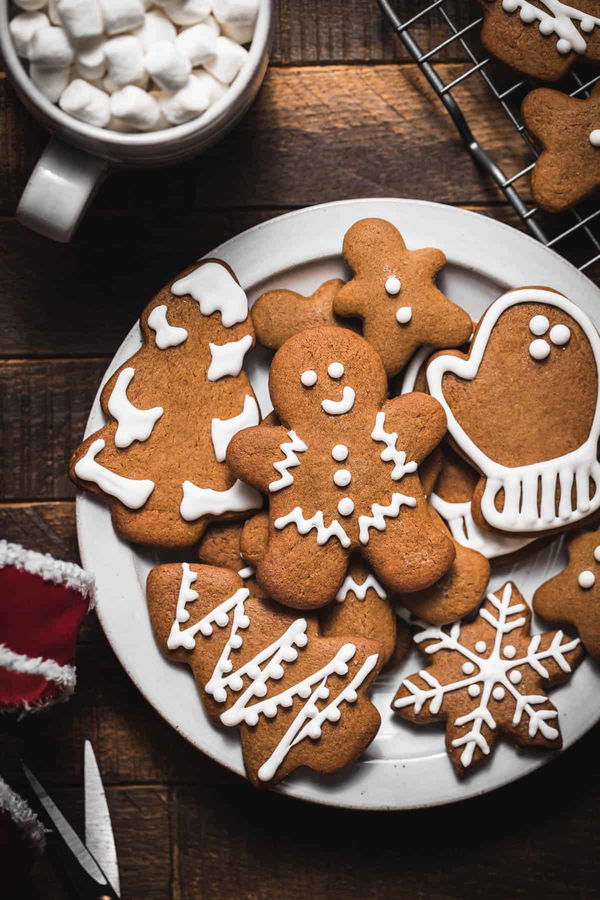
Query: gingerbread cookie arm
x=255, y=452
x=419, y=421
x=279, y=314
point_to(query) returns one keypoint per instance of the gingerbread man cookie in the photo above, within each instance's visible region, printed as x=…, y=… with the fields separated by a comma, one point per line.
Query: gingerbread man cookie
x=568, y=129
x=394, y=293
x=299, y=699
x=542, y=38
x=341, y=472
x=172, y=409
x=573, y=596
x=488, y=677
x=523, y=408
x=279, y=314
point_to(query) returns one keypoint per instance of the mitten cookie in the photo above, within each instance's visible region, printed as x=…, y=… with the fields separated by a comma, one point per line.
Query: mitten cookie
x=394, y=293
x=573, y=596
x=279, y=314
x=341, y=472
x=173, y=408
x=541, y=39
x=488, y=677
x=300, y=699
x=568, y=129
x=523, y=408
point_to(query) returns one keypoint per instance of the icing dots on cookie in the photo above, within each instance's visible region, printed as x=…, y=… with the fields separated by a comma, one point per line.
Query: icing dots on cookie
x=539, y=325
x=342, y=477
x=340, y=452
x=560, y=335
x=586, y=579
x=595, y=137
x=335, y=370
x=539, y=349
x=345, y=506
x=392, y=286
x=404, y=315
x=309, y=378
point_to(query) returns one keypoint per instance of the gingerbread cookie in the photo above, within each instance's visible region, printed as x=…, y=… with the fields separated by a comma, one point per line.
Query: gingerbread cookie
x=414, y=378
x=394, y=293
x=279, y=314
x=573, y=596
x=300, y=699
x=542, y=38
x=523, y=408
x=568, y=129
x=341, y=472
x=173, y=408
x=488, y=678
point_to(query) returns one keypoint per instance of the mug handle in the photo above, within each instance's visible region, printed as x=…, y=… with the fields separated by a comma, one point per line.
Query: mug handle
x=59, y=191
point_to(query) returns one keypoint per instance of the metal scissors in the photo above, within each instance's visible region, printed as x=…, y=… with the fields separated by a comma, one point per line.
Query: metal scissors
x=91, y=867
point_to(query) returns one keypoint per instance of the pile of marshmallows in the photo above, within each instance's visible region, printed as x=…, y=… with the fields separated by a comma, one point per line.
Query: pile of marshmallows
x=133, y=65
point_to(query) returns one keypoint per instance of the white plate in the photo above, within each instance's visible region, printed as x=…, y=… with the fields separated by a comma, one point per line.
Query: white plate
x=405, y=766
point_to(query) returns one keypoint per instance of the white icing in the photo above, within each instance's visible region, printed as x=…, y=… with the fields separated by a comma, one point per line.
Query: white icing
x=228, y=359
x=404, y=315
x=132, y=492
x=586, y=579
x=359, y=590
x=557, y=18
x=340, y=452
x=595, y=137
x=282, y=466
x=345, y=506
x=520, y=510
x=166, y=335
x=324, y=532
x=379, y=514
x=539, y=325
x=335, y=370
x=308, y=378
x=491, y=672
x=560, y=335
x=342, y=477
x=215, y=290
x=391, y=453
x=466, y=531
x=597, y=554
x=247, y=572
x=340, y=407
x=133, y=424
x=539, y=349
x=222, y=430
x=392, y=286
x=198, y=502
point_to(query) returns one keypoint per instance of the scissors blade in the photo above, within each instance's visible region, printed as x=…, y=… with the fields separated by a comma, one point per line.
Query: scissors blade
x=99, y=835
x=67, y=833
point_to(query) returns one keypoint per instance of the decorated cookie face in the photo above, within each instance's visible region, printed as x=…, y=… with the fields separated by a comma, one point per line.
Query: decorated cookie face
x=489, y=677
x=573, y=596
x=172, y=410
x=300, y=699
x=341, y=472
x=523, y=408
x=393, y=291
x=568, y=129
x=279, y=314
x=541, y=38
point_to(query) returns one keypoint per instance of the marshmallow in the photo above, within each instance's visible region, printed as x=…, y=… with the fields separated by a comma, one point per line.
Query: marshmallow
x=135, y=107
x=238, y=31
x=187, y=12
x=228, y=60
x=156, y=27
x=90, y=61
x=188, y=103
x=81, y=19
x=168, y=66
x=51, y=82
x=235, y=12
x=124, y=59
x=213, y=24
x=110, y=87
x=23, y=27
x=198, y=43
x=49, y=48
x=122, y=15
x=215, y=88
x=86, y=103
x=30, y=5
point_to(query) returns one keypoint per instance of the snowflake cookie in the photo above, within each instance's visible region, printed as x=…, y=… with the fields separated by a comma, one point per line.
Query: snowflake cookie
x=172, y=408
x=541, y=38
x=341, y=472
x=299, y=699
x=394, y=293
x=488, y=677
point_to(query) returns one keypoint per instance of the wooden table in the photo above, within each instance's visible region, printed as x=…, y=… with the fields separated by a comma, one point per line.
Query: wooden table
x=343, y=113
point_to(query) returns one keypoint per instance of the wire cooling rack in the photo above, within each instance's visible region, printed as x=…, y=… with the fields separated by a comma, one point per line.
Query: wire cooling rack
x=574, y=234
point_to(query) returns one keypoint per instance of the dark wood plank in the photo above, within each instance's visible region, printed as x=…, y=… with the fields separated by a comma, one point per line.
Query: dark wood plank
x=44, y=527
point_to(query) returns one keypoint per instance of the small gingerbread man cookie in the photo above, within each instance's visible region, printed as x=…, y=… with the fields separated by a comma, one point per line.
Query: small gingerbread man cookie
x=568, y=129
x=488, y=677
x=542, y=38
x=341, y=472
x=573, y=596
x=279, y=314
x=394, y=293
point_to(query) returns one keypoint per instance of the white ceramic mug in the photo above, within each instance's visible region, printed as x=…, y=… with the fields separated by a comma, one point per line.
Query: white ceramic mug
x=79, y=156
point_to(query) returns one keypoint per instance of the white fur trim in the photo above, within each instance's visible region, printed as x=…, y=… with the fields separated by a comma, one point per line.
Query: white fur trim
x=48, y=568
x=23, y=816
x=64, y=676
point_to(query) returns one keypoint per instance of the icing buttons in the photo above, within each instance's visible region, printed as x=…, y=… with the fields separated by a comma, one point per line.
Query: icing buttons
x=586, y=579
x=342, y=477
x=345, y=506
x=539, y=349
x=560, y=335
x=481, y=646
x=595, y=137
x=309, y=378
x=392, y=286
x=335, y=370
x=597, y=554
x=404, y=315
x=340, y=452
x=539, y=325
